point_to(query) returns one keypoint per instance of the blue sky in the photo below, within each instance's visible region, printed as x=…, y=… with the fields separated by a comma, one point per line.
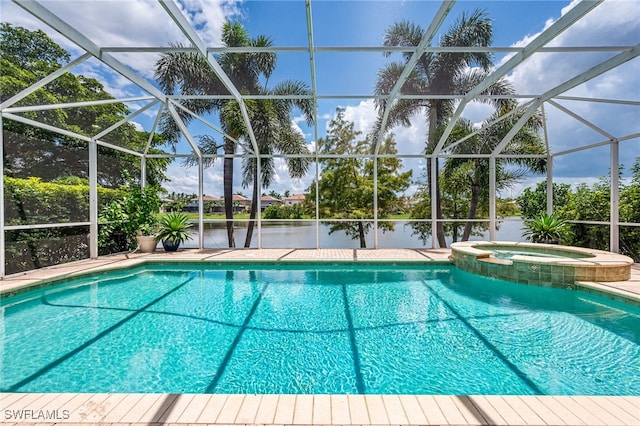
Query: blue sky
x=362, y=23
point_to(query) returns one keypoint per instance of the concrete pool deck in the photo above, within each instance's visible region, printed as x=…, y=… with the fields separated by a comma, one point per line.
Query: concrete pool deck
x=134, y=409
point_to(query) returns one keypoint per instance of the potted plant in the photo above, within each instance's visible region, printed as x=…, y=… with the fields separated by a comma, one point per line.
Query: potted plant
x=174, y=229
x=547, y=229
x=130, y=219
x=143, y=206
x=146, y=237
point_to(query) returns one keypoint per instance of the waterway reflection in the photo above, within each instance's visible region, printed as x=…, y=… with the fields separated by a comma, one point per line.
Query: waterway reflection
x=303, y=234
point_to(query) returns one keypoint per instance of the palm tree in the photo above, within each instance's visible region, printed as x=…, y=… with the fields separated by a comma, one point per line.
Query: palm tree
x=526, y=141
x=274, y=134
x=191, y=74
x=438, y=73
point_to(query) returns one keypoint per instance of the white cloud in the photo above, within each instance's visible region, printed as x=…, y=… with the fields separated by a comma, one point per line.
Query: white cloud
x=409, y=140
x=477, y=112
x=137, y=126
x=614, y=23
x=610, y=23
x=296, y=126
x=208, y=17
x=412, y=139
x=183, y=179
x=363, y=115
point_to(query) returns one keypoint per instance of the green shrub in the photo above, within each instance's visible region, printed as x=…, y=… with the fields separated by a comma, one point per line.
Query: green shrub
x=274, y=211
x=122, y=219
x=31, y=201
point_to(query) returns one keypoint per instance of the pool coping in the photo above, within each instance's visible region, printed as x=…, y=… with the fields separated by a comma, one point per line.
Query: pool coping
x=72, y=408
x=272, y=409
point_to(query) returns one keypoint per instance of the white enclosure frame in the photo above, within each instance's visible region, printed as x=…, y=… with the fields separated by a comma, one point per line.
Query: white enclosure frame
x=530, y=104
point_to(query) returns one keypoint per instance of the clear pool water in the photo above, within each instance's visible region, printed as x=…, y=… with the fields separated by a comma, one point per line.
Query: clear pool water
x=316, y=329
x=508, y=254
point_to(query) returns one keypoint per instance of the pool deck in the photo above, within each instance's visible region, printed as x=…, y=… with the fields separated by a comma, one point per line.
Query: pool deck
x=138, y=409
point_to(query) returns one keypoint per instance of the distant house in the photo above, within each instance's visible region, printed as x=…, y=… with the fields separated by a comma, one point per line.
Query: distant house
x=294, y=199
x=268, y=200
x=211, y=204
x=241, y=203
x=165, y=202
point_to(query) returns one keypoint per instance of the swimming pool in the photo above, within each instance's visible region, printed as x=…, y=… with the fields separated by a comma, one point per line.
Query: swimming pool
x=309, y=328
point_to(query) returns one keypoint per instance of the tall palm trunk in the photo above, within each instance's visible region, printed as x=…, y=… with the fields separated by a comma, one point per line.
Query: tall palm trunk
x=363, y=242
x=431, y=143
x=473, y=208
x=254, y=208
x=228, y=189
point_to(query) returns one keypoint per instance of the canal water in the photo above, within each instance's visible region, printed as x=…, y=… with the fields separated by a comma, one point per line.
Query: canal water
x=299, y=234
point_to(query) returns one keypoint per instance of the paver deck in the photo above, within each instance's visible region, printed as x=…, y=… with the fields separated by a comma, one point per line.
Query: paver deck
x=133, y=409
x=138, y=409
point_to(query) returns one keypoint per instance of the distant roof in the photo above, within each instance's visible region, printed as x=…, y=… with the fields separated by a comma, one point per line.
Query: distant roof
x=296, y=197
x=208, y=198
x=269, y=198
x=238, y=197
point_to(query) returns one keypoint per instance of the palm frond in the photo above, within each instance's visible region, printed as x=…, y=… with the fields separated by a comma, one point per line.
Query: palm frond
x=265, y=61
x=403, y=34
x=297, y=88
x=470, y=30
x=469, y=79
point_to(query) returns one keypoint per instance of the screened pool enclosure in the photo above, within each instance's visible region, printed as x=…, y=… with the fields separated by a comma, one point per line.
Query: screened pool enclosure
x=384, y=68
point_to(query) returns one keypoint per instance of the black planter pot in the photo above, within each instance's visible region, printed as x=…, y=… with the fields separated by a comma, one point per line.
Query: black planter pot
x=170, y=245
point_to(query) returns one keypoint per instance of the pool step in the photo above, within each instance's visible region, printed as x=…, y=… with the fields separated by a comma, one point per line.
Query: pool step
x=495, y=261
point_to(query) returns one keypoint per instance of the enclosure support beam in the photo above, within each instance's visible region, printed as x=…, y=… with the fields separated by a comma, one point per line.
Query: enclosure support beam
x=581, y=119
x=93, y=199
x=597, y=144
x=153, y=130
x=375, y=202
x=591, y=73
x=549, y=201
x=549, y=185
x=184, y=130
x=492, y=198
x=127, y=119
x=87, y=139
x=143, y=172
x=2, y=210
x=200, y=203
x=484, y=126
x=65, y=105
x=312, y=66
x=614, y=233
x=434, y=198
x=259, y=200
